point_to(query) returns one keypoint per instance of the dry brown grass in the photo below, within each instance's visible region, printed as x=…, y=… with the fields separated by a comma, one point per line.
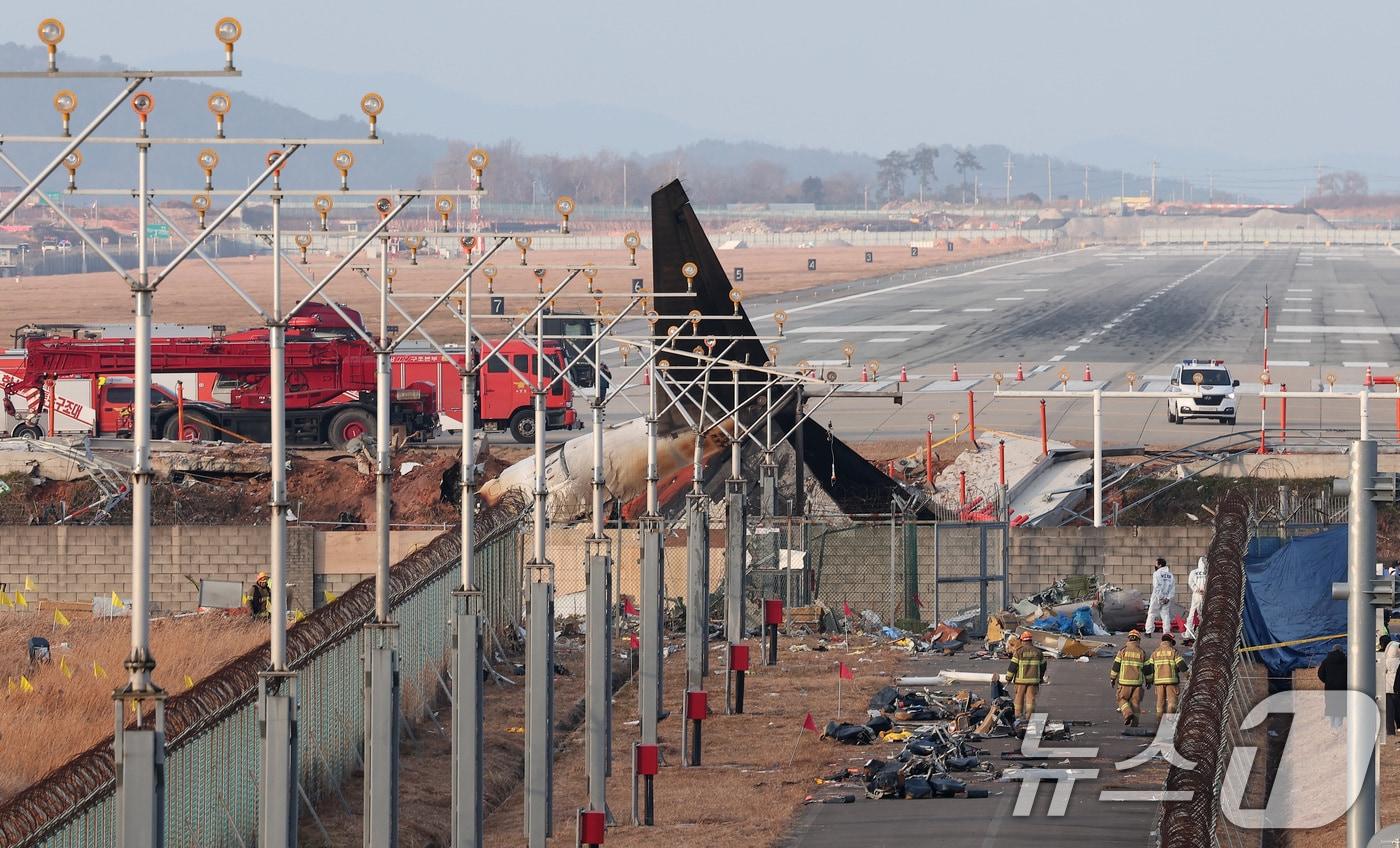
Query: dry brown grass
x=194, y=295
x=64, y=716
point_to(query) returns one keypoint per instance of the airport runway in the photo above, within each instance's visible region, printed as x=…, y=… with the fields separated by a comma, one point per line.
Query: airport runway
x=1117, y=309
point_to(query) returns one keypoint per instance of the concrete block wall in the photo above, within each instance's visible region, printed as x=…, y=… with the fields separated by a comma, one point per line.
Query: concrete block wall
x=1125, y=556
x=74, y=564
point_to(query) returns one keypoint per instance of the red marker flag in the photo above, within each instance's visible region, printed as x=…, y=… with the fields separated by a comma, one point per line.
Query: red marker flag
x=846, y=672
x=850, y=613
x=629, y=608
x=809, y=724
x=633, y=642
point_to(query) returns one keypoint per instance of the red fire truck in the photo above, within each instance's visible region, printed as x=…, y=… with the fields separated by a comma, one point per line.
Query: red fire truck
x=216, y=386
x=504, y=402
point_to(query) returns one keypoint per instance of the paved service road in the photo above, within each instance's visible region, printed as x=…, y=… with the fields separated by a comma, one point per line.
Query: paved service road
x=1119, y=309
x=1077, y=692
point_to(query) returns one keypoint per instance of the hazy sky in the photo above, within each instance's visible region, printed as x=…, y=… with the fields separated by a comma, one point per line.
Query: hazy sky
x=1230, y=86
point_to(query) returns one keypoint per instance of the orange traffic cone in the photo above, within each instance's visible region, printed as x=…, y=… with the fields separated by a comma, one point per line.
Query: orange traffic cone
x=903, y=374
x=1370, y=381
x=955, y=372
x=864, y=374
x=646, y=376
x=1020, y=374
x=1088, y=375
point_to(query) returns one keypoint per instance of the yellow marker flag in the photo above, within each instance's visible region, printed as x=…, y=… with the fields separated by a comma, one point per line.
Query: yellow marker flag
x=117, y=601
x=329, y=596
x=63, y=667
x=20, y=600
x=60, y=619
x=29, y=584
x=189, y=682
x=25, y=685
x=5, y=600
x=298, y=615
x=98, y=671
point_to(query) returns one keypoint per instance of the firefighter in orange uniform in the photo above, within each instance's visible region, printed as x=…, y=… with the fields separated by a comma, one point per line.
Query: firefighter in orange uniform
x=1026, y=673
x=1128, y=677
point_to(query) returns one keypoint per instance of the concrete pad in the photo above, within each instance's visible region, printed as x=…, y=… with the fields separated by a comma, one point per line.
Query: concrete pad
x=880, y=385
x=949, y=386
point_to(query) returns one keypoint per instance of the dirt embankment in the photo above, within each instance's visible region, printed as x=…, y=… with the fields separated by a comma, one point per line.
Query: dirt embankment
x=334, y=492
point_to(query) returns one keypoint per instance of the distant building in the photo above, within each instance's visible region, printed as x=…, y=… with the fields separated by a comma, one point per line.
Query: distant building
x=9, y=260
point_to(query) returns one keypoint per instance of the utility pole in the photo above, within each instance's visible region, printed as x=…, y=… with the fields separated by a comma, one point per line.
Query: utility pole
x=1008, y=180
x=1154, y=182
x=1086, y=185
x=1049, y=183
x=1212, y=187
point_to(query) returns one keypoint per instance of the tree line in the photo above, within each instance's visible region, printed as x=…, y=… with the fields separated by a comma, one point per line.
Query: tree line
x=611, y=179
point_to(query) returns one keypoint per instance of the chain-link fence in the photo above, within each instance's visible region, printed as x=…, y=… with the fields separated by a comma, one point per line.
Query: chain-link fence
x=906, y=571
x=213, y=747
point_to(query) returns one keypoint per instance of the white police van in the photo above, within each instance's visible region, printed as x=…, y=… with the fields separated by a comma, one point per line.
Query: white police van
x=1207, y=391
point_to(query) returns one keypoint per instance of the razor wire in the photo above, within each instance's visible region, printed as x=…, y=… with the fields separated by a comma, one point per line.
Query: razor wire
x=1215, y=697
x=213, y=750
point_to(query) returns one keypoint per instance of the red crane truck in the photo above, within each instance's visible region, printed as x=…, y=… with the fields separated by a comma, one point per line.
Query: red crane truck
x=319, y=373
x=330, y=387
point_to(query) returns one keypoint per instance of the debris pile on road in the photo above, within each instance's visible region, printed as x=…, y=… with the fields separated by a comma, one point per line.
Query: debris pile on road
x=938, y=731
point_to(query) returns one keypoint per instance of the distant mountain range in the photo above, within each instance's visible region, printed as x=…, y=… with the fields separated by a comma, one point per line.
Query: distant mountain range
x=408, y=160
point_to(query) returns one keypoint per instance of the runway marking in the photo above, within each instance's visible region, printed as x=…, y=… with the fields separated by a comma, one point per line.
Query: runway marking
x=1350, y=311
x=820, y=341
x=1357, y=329
x=978, y=309
x=1057, y=358
x=1300, y=290
x=889, y=339
x=1035, y=290
x=1286, y=309
x=1304, y=299
x=926, y=310
x=867, y=328
x=1289, y=363
x=1072, y=349
x=1085, y=340
x=1365, y=364
x=1359, y=341
x=1011, y=298
x=1294, y=341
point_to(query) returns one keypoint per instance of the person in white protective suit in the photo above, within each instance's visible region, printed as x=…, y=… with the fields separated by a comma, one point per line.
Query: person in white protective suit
x=1163, y=591
x=1196, y=580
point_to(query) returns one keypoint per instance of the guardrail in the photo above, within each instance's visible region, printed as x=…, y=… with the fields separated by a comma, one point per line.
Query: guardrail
x=213, y=745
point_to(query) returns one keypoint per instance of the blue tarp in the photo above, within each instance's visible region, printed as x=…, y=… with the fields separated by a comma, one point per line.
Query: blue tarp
x=1288, y=595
